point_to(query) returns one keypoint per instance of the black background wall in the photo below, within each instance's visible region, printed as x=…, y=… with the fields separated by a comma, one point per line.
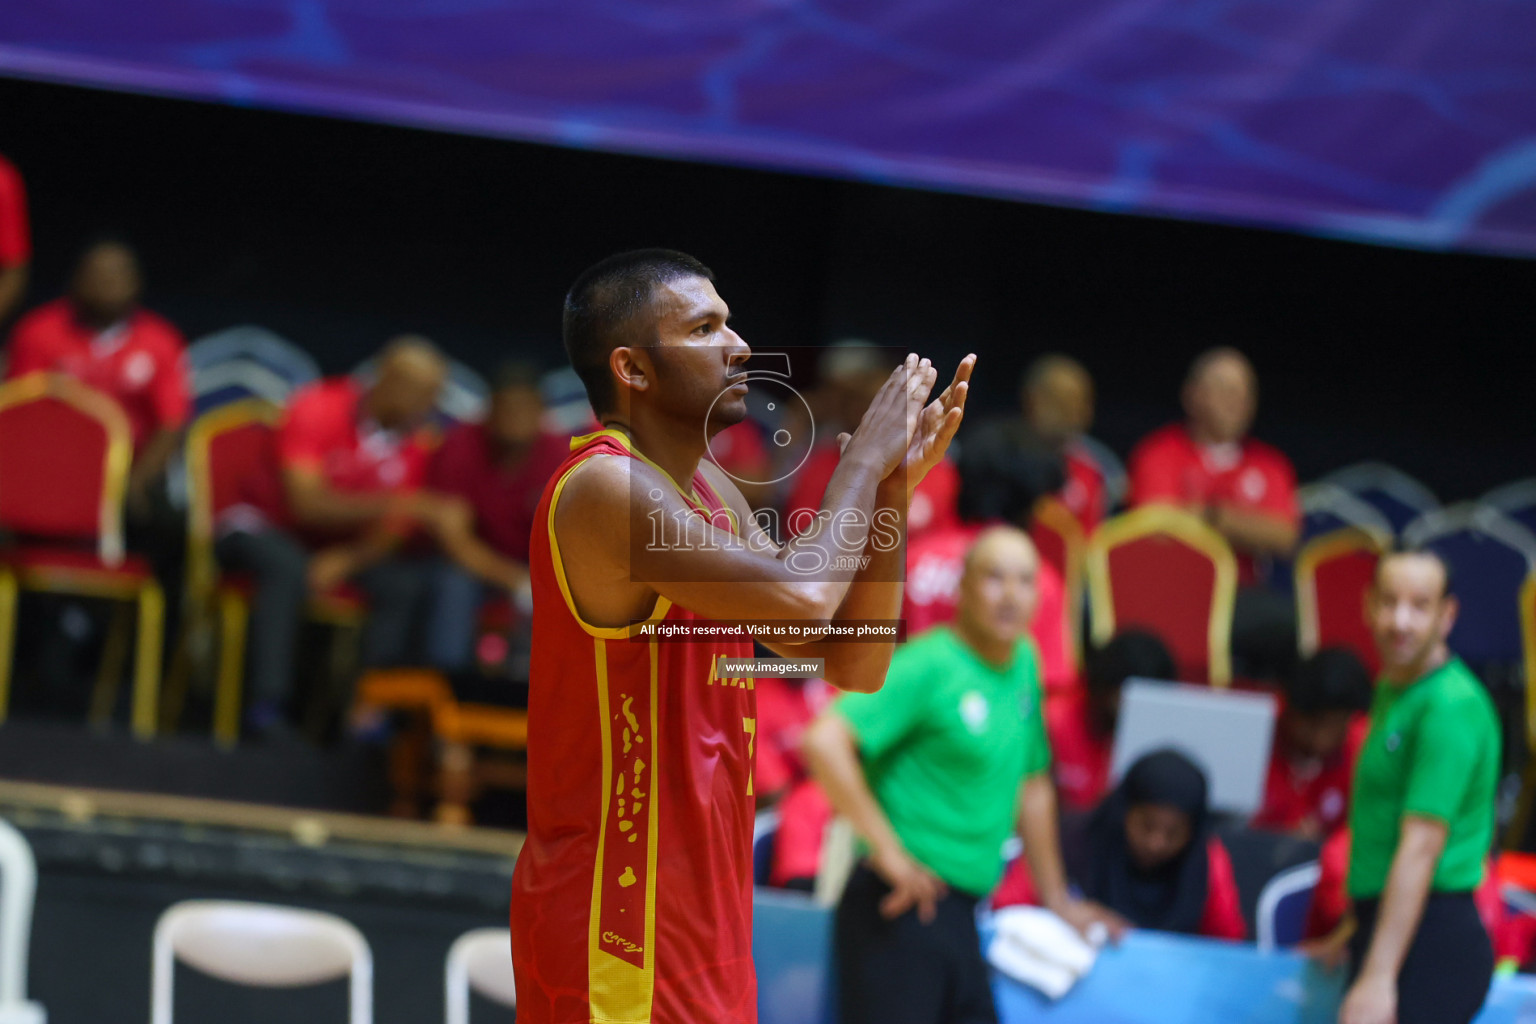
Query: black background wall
x=338, y=234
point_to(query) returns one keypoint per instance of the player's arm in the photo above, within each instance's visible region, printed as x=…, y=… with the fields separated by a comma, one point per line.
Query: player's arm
x=625, y=532
x=875, y=593
x=1372, y=999
x=832, y=753
x=1042, y=850
x=13, y=285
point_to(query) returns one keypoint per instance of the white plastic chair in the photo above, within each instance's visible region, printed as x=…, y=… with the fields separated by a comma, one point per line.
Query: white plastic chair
x=262, y=945
x=480, y=960
x=18, y=890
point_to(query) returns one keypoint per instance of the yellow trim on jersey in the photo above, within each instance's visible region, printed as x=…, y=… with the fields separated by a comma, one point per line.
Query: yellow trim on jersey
x=658, y=610
x=692, y=495
x=618, y=992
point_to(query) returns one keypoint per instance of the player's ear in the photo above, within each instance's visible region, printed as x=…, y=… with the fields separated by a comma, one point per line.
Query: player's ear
x=630, y=367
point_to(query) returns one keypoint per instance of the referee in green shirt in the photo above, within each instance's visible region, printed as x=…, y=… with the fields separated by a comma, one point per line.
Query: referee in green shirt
x=1422, y=812
x=934, y=771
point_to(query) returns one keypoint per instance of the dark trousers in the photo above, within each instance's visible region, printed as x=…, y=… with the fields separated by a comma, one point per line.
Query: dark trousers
x=904, y=971
x=396, y=589
x=1449, y=966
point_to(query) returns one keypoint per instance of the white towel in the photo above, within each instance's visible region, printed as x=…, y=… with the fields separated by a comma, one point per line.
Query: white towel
x=1033, y=946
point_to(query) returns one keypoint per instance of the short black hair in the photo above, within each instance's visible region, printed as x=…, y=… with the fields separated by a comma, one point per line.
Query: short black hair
x=1333, y=679
x=1446, y=568
x=1129, y=654
x=603, y=308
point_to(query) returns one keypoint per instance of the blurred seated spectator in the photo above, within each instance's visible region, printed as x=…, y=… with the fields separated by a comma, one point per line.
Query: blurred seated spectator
x=1147, y=854
x=98, y=334
x=1241, y=486
x=1056, y=410
x=499, y=469
x=850, y=374
x=15, y=239
x=1318, y=734
x=1081, y=723
x=346, y=495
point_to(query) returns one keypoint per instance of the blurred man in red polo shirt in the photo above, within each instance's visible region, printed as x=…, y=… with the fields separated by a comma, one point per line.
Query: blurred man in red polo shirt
x=99, y=335
x=15, y=239
x=1050, y=434
x=1243, y=487
x=348, y=490
x=499, y=469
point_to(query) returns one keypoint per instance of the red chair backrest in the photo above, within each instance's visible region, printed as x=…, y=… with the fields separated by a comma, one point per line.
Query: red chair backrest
x=1333, y=576
x=231, y=460
x=1059, y=538
x=243, y=467
x=59, y=465
x=1165, y=571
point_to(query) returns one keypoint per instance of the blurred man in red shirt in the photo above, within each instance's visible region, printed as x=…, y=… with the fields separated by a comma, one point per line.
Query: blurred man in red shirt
x=1050, y=434
x=1243, y=487
x=1317, y=738
x=1081, y=723
x=499, y=469
x=98, y=334
x=849, y=375
x=15, y=239
x=347, y=491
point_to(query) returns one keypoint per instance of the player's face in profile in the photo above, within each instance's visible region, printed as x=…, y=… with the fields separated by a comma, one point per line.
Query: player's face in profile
x=698, y=358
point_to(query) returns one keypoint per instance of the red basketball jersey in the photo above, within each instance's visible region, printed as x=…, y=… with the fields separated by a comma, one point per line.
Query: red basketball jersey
x=632, y=897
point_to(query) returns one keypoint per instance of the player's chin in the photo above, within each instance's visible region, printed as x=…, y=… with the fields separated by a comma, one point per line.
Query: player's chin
x=729, y=411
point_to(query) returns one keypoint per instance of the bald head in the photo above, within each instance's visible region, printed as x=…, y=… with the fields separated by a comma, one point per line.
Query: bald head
x=106, y=283
x=1058, y=397
x=1221, y=395
x=998, y=587
x=411, y=374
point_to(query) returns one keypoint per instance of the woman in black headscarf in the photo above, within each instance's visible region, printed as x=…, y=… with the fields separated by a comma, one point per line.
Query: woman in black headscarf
x=1146, y=853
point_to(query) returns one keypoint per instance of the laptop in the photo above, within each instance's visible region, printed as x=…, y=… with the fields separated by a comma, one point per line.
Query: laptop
x=1228, y=734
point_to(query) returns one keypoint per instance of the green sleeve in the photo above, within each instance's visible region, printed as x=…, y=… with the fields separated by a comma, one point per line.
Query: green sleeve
x=882, y=720
x=1445, y=754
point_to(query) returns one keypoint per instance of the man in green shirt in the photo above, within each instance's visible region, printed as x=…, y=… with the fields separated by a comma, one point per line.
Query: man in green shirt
x=1422, y=812
x=934, y=771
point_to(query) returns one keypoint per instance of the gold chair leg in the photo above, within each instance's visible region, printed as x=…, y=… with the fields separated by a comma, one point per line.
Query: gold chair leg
x=146, y=662
x=109, y=675
x=7, y=638
x=233, y=618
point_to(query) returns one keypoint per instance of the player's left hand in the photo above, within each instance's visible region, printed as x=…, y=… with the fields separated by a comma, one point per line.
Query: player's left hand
x=936, y=426
x=1370, y=1000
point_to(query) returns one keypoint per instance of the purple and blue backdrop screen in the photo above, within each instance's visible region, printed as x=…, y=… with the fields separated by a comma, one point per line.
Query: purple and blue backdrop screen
x=1409, y=122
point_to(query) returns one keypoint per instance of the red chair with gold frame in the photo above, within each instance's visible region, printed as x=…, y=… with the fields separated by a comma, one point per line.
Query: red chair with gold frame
x=1334, y=573
x=65, y=452
x=1058, y=536
x=225, y=447
x=1162, y=569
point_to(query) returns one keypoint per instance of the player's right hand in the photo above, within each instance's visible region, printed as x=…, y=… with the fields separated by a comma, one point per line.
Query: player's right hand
x=885, y=433
x=912, y=885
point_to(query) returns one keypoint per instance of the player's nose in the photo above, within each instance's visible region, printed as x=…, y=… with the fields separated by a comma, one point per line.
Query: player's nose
x=737, y=356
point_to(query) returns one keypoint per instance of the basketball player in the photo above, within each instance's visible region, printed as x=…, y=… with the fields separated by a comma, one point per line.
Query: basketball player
x=632, y=897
